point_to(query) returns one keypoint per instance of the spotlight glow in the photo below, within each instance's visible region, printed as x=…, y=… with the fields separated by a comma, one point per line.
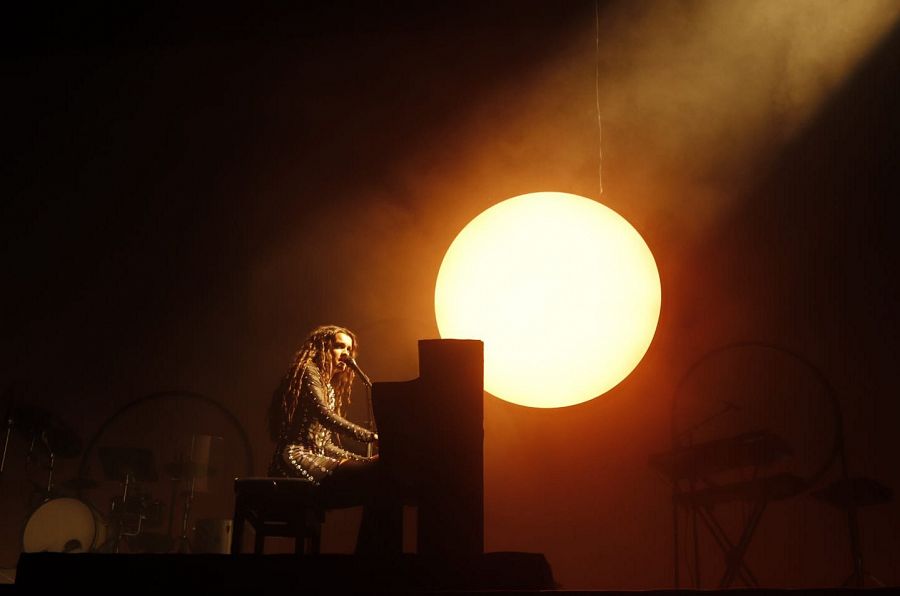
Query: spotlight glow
x=563, y=291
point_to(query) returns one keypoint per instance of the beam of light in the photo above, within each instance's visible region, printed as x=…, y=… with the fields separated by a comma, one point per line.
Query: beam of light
x=710, y=91
x=563, y=291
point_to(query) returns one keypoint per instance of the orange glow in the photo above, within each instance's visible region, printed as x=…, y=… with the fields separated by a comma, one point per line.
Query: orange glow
x=563, y=291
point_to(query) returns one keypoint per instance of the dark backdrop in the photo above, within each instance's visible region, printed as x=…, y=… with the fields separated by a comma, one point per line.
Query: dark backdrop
x=187, y=191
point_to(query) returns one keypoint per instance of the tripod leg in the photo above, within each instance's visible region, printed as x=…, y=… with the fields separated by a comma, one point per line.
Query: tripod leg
x=736, y=555
x=857, y=578
x=726, y=546
x=675, y=559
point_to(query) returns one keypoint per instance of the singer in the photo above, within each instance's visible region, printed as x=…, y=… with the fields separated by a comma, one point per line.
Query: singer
x=306, y=422
x=306, y=413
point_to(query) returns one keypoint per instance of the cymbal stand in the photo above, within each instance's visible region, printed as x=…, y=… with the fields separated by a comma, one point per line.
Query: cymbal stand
x=118, y=522
x=38, y=495
x=858, y=575
x=184, y=543
x=9, y=427
x=10, y=422
x=51, y=459
x=118, y=517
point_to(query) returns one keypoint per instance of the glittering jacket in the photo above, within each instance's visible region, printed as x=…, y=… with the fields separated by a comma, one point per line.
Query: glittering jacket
x=305, y=447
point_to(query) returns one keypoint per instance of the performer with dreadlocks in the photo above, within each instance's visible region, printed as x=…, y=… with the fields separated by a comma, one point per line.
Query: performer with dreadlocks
x=307, y=409
x=306, y=413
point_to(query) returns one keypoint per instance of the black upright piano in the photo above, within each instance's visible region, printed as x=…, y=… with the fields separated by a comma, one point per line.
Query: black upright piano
x=431, y=436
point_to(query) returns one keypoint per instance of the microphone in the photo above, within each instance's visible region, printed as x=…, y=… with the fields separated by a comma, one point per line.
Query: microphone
x=349, y=361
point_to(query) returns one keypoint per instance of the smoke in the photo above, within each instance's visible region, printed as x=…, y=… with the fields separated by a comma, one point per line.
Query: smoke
x=696, y=100
x=710, y=91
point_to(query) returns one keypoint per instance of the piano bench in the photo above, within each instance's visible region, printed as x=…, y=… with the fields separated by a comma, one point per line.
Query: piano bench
x=282, y=507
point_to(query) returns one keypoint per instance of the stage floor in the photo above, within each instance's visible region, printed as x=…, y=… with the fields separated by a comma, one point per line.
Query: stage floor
x=491, y=573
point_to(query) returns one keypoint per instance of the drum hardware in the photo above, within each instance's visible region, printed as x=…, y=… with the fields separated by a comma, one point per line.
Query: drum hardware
x=9, y=398
x=128, y=521
x=119, y=463
x=128, y=465
x=213, y=536
x=52, y=461
x=139, y=510
x=153, y=511
x=42, y=429
x=9, y=427
x=150, y=542
x=64, y=525
x=79, y=483
x=57, y=436
x=186, y=471
x=194, y=469
x=55, y=523
x=184, y=543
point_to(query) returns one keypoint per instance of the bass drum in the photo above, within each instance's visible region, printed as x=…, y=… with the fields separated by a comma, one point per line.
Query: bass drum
x=63, y=525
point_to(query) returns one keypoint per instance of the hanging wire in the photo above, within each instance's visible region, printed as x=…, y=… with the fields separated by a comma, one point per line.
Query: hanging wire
x=597, y=96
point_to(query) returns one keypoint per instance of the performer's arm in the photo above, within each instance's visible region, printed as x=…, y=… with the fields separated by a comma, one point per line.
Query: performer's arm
x=341, y=453
x=331, y=420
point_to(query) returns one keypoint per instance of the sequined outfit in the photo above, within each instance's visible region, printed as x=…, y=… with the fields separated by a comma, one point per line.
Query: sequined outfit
x=305, y=448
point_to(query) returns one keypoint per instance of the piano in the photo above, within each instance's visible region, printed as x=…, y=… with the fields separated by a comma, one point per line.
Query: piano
x=431, y=437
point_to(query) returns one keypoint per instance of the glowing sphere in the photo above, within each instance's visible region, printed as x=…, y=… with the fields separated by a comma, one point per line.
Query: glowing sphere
x=563, y=291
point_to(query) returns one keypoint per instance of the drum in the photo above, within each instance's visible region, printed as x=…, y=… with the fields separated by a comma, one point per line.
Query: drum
x=63, y=525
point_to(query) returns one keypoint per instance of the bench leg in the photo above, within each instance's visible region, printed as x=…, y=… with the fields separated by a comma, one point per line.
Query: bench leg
x=259, y=543
x=315, y=541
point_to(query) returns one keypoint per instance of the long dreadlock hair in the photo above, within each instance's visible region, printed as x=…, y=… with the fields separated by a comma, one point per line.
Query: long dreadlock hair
x=313, y=351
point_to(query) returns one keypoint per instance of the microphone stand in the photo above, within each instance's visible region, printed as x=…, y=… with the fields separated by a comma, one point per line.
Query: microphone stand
x=351, y=362
x=370, y=445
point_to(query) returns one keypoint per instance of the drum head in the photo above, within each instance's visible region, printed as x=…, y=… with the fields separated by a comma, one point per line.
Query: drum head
x=60, y=525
